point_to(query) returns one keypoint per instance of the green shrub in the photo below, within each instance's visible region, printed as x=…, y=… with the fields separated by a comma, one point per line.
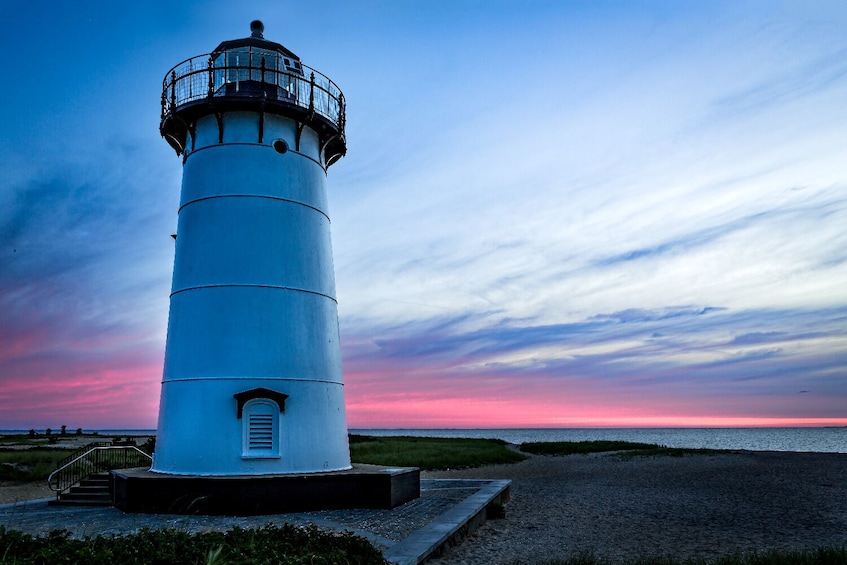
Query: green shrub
x=571, y=447
x=284, y=544
x=430, y=453
x=627, y=449
x=667, y=451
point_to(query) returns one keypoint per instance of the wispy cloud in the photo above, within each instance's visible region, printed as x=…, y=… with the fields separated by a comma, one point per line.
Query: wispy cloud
x=552, y=214
x=76, y=292
x=673, y=360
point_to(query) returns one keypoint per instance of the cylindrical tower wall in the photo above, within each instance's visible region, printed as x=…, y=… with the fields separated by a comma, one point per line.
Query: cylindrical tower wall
x=253, y=310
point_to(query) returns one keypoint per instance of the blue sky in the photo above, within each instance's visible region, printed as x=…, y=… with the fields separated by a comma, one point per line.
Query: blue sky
x=551, y=213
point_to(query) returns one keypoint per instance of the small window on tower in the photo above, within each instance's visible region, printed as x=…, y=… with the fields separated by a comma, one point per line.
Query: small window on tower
x=260, y=425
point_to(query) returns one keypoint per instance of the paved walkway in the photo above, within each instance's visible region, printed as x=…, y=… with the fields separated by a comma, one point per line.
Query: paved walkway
x=407, y=534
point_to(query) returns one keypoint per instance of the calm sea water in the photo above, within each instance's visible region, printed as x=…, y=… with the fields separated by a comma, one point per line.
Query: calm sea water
x=829, y=440
x=832, y=440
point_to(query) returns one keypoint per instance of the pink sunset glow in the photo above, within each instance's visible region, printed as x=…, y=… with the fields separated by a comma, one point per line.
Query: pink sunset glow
x=487, y=407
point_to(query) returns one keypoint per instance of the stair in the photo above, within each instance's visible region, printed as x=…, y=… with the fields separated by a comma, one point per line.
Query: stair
x=92, y=491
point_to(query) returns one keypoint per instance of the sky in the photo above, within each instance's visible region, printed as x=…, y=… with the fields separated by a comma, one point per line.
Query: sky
x=551, y=213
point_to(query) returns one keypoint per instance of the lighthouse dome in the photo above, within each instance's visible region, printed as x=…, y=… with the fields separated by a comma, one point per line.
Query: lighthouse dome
x=239, y=51
x=257, y=75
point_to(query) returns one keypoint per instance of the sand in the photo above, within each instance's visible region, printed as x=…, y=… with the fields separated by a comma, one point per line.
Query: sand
x=19, y=492
x=698, y=506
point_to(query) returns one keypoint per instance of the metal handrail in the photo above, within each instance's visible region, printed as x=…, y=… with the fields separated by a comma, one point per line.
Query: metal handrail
x=77, y=452
x=208, y=76
x=113, y=457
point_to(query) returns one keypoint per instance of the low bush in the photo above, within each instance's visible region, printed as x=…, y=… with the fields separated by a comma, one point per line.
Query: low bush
x=667, y=451
x=430, y=453
x=284, y=544
x=571, y=447
x=626, y=449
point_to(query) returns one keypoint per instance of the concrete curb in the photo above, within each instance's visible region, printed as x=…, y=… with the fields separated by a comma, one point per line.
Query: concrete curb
x=451, y=527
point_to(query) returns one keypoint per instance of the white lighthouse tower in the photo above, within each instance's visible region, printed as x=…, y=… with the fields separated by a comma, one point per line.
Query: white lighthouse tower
x=252, y=379
x=251, y=417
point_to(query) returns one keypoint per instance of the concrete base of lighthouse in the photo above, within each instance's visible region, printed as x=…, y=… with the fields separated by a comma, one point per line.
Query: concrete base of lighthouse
x=363, y=486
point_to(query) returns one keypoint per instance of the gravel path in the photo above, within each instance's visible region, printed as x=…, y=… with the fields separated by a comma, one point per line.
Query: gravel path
x=693, y=506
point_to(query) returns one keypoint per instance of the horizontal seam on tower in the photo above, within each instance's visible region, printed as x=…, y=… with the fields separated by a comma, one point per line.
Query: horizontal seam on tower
x=253, y=378
x=294, y=151
x=273, y=286
x=318, y=210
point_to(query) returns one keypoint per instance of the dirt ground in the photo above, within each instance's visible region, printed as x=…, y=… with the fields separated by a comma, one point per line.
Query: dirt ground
x=18, y=492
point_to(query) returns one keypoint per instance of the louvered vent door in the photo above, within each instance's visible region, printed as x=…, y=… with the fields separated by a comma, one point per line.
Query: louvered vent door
x=260, y=429
x=261, y=433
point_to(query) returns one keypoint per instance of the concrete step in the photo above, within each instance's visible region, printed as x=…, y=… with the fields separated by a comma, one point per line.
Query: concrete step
x=87, y=495
x=92, y=491
x=97, y=478
x=89, y=489
x=99, y=483
x=73, y=501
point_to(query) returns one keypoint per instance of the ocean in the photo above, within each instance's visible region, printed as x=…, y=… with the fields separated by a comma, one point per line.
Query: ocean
x=829, y=440
x=822, y=440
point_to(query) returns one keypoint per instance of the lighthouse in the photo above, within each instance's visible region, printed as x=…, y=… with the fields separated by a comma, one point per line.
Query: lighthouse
x=252, y=379
x=251, y=414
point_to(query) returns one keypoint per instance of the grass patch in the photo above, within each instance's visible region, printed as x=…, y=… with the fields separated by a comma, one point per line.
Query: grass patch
x=821, y=556
x=627, y=449
x=667, y=451
x=27, y=465
x=284, y=544
x=430, y=453
x=21, y=439
x=571, y=447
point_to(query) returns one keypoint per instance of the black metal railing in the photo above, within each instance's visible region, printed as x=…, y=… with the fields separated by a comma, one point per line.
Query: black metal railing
x=95, y=458
x=80, y=451
x=251, y=72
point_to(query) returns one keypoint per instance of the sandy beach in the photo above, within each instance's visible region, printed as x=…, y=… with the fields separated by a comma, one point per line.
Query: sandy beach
x=617, y=508
x=694, y=506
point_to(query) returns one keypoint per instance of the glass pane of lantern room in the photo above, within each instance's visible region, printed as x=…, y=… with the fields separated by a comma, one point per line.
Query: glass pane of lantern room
x=237, y=63
x=288, y=85
x=218, y=64
x=271, y=64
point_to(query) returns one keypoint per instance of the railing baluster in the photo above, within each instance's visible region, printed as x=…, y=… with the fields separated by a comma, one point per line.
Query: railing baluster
x=173, y=89
x=211, y=77
x=312, y=93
